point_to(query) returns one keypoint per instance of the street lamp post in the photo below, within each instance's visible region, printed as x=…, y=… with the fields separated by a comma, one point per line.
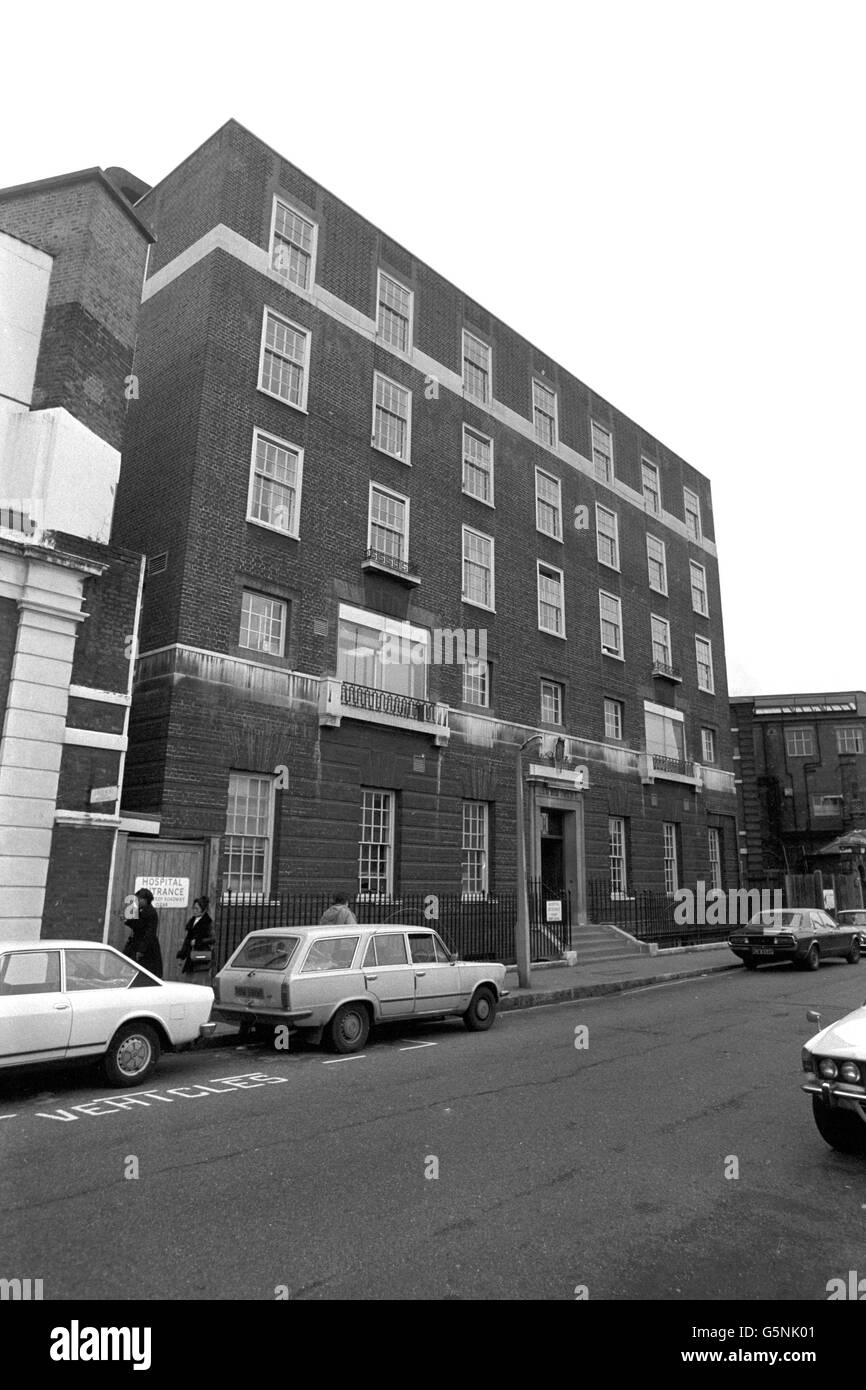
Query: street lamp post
x=521, y=942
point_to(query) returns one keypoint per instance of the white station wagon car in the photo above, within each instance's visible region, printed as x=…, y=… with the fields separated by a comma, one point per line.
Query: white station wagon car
x=835, y=1063
x=60, y=1000
x=339, y=981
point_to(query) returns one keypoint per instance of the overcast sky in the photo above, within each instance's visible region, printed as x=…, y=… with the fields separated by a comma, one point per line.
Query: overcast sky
x=665, y=196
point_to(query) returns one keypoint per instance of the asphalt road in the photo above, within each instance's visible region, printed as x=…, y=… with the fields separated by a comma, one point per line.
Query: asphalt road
x=559, y=1166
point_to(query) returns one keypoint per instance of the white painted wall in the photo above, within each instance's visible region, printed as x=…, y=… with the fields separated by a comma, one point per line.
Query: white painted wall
x=24, y=276
x=68, y=473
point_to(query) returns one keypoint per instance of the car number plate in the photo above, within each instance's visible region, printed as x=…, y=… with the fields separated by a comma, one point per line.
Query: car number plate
x=762, y=950
x=249, y=992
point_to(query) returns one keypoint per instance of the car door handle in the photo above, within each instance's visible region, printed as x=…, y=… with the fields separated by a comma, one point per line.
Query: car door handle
x=370, y=977
x=61, y=1006
x=419, y=973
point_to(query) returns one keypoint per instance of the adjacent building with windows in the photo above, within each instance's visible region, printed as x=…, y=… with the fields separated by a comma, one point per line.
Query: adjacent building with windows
x=72, y=257
x=390, y=542
x=801, y=779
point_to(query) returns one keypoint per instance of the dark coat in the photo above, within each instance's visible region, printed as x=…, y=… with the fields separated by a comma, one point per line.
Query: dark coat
x=143, y=945
x=199, y=937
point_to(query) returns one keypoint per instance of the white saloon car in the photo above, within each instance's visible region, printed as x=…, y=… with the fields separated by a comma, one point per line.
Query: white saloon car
x=835, y=1063
x=61, y=1000
x=339, y=981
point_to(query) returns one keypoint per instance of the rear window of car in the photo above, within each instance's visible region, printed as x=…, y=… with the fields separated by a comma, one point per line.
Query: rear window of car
x=331, y=953
x=265, y=953
x=387, y=949
x=98, y=970
x=777, y=919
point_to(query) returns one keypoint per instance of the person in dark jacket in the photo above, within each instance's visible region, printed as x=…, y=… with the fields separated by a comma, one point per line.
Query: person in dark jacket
x=143, y=945
x=199, y=935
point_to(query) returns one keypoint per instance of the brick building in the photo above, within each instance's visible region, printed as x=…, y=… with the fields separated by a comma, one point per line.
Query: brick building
x=802, y=779
x=72, y=257
x=340, y=468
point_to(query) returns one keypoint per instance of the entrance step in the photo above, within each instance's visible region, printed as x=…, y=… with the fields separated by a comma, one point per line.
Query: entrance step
x=600, y=942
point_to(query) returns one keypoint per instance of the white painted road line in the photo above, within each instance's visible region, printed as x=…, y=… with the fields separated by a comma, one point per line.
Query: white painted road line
x=413, y=1046
x=8, y=1117
x=355, y=1057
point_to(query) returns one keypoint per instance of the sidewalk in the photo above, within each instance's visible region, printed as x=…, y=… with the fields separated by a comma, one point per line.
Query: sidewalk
x=556, y=984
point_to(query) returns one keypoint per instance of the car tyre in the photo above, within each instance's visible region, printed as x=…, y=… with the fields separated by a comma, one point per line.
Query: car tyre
x=132, y=1055
x=482, y=1010
x=853, y=955
x=839, y=1128
x=349, y=1029
x=812, y=958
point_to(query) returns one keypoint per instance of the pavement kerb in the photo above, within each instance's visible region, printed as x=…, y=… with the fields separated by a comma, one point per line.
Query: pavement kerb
x=532, y=998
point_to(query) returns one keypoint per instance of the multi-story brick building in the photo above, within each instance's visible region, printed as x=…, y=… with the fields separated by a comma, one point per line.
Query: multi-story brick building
x=72, y=256
x=337, y=462
x=802, y=779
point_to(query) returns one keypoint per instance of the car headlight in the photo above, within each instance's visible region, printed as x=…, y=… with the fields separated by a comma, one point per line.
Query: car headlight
x=849, y=1071
x=828, y=1069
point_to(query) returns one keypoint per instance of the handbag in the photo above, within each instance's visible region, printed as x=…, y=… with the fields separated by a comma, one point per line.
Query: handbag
x=200, y=960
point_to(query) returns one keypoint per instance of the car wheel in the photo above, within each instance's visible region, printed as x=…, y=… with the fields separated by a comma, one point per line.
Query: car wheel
x=132, y=1055
x=482, y=1010
x=750, y=964
x=812, y=958
x=349, y=1029
x=839, y=1128
x=854, y=954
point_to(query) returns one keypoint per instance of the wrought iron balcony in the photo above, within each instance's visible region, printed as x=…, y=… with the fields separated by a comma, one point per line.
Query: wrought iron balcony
x=655, y=766
x=344, y=700
x=662, y=671
x=390, y=564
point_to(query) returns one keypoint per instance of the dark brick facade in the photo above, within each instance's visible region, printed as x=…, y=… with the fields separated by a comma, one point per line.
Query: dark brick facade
x=74, y=900
x=184, y=491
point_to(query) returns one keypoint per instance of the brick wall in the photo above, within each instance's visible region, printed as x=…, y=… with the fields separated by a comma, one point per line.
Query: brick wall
x=78, y=872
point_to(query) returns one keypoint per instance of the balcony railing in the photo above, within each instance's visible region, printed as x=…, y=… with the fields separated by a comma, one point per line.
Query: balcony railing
x=339, y=699
x=390, y=564
x=663, y=671
x=659, y=765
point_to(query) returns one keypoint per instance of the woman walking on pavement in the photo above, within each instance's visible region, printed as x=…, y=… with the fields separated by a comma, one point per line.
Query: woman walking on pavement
x=197, y=949
x=143, y=945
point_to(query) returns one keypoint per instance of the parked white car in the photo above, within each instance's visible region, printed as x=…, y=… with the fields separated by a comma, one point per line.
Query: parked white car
x=835, y=1063
x=61, y=1000
x=339, y=981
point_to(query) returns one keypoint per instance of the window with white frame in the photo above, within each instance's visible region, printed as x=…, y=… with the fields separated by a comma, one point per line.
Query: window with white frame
x=247, y=843
x=828, y=805
x=476, y=683
x=285, y=355
x=602, y=452
x=799, y=743
x=478, y=585
x=293, y=245
x=477, y=465
x=651, y=488
x=704, y=659
x=275, y=484
x=392, y=417
x=714, y=846
x=613, y=719
x=664, y=732
x=617, y=856
x=376, y=848
x=607, y=536
x=475, y=852
x=382, y=653
x=263, y=624
x=551, y=702
x=671, y=865
x=661, y=641
x=849, y=740
x=699, y=589
x=476, y=368
x=551, y=600
x=610, y=614
x=548, y=504
x=544, y=413
x=692, y=512
x=657, y=565
x=388, y=530
x=708, y=745
x=394, y=316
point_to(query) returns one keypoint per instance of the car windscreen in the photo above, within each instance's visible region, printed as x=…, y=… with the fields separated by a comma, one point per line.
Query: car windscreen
x=776, y=919
x=265, y=953
x=852, y=917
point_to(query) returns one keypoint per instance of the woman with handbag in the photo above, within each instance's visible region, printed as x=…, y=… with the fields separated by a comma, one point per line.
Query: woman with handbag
x=197, y=949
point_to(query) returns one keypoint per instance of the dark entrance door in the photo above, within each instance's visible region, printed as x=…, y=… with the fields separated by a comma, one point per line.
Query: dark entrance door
x=552, y=864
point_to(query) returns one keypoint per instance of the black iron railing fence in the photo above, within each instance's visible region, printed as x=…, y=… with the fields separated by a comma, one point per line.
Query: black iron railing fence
x=388, y=702
x=477, y=928
x=653, y=915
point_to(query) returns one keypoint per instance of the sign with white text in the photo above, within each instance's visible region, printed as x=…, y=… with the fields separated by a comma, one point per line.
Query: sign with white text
x=167, y=892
